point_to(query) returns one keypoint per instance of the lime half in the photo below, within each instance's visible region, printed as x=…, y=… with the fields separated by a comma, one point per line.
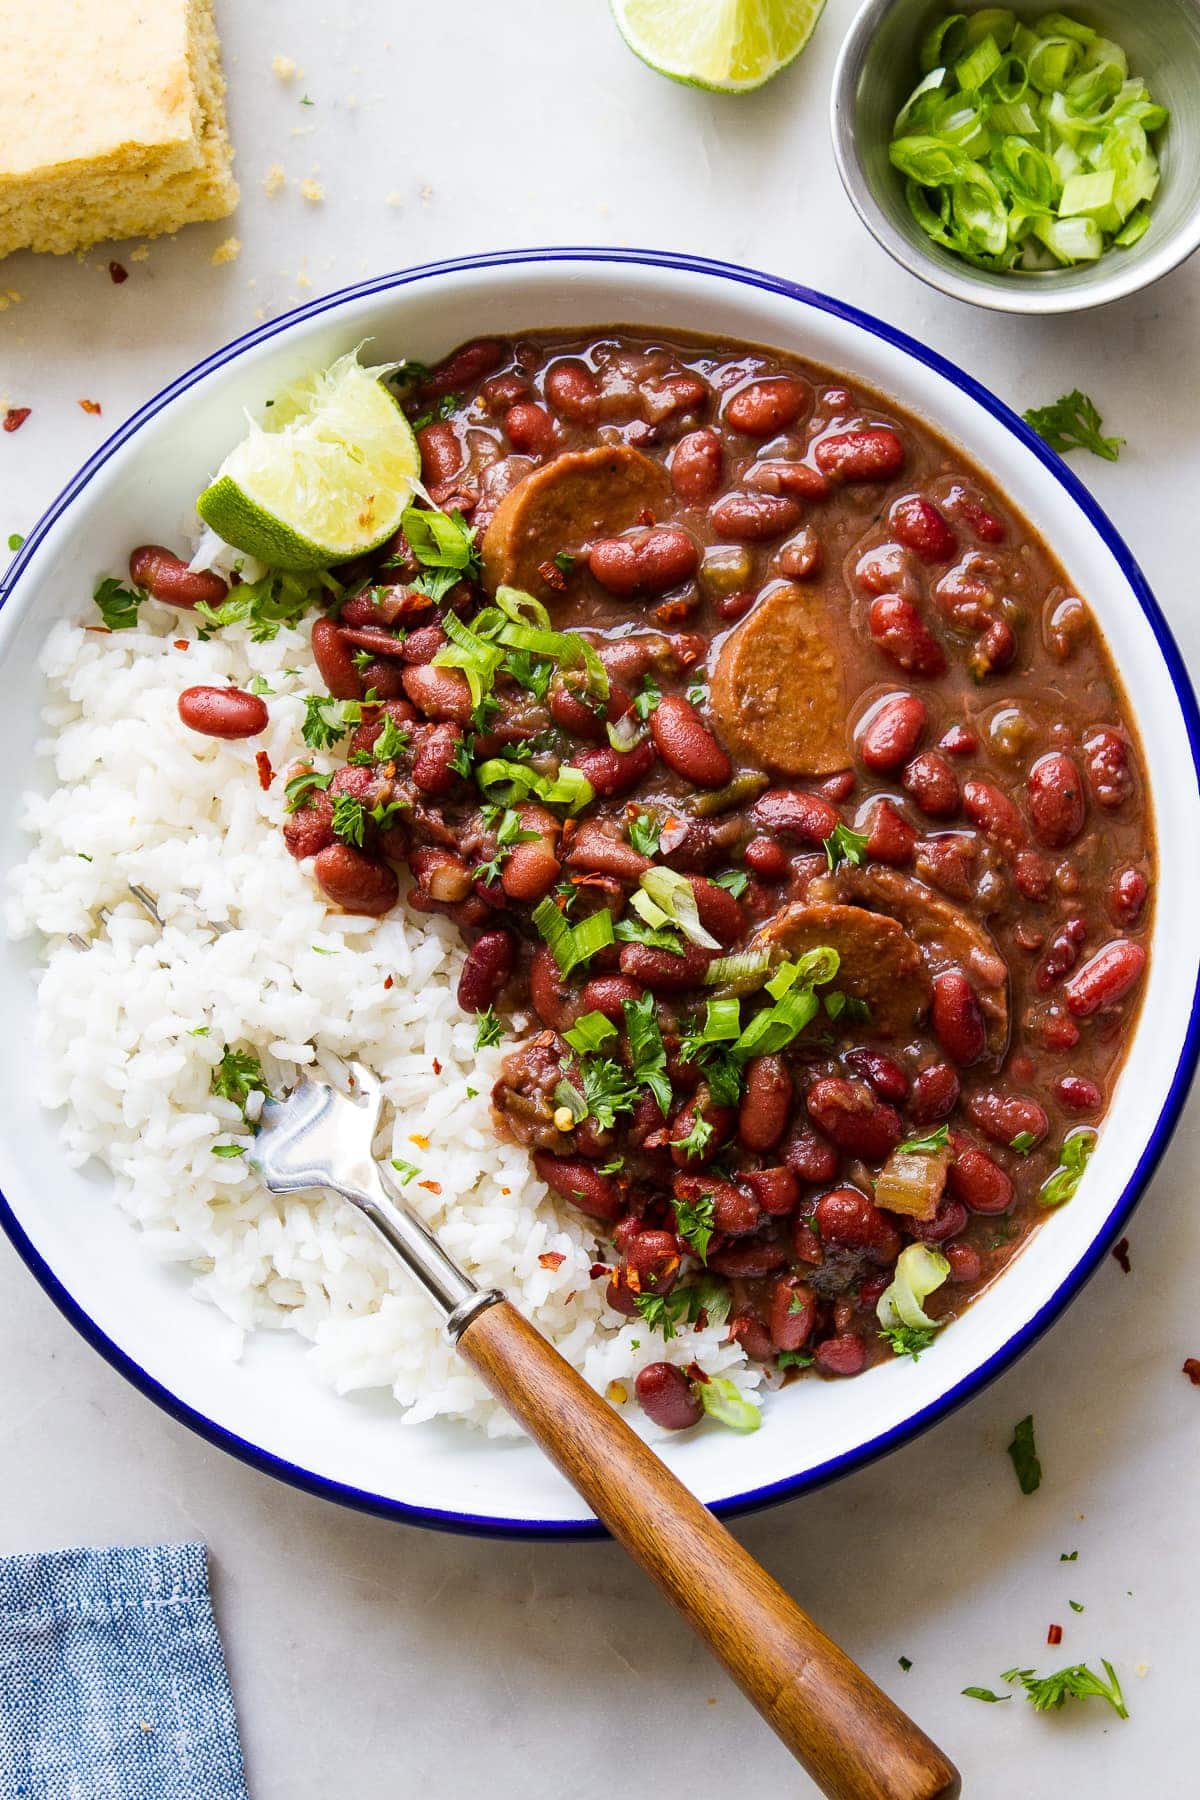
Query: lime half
x=324, y=478
x=728, y=45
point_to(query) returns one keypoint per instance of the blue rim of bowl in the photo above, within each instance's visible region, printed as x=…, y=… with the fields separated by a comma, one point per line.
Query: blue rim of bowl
x=485, y=1525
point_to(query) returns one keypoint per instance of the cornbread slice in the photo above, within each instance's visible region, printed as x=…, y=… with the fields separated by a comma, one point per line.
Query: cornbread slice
x=112, y=122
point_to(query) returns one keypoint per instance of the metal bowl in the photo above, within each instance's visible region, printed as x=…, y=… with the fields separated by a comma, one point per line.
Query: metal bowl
x=877, y=70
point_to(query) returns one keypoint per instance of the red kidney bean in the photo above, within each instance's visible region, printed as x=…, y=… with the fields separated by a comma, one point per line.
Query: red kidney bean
x=442, y=875
x=654, y=1257
x=464, y=367
x=1003, y=1117
x=310, y=828
x=839, y=787
x=442, y=455
x=593, y=850
x=489, y=965
x=767, y=858
x=355, y=881
x=890, y=837
x=608, y=994
x=648, y=562
x=995, y=650
x=801, y=556
x=883, y=1072
x=845, y=1354
x=1105, y=978
x=573, y=390
x=752, y=518
x=364, y=736
x=530, y=429
x=992, y=812
x=976, y=516
x=847, y=1220
x=1126, y=895
x=223, y=712
x=439, y=693
x=668, y=396
x=570, y=710
x=335, y=661
x=809, y=1156
x=776, y=1189
x=433, y=768
x=1061, y=956
x=686, y=744
x=766, y=1103
x=499, y=392
x=720, y=912
x=615, y=771
x=933, y=784
x=662, y=971
x=891, y=732
x=753, y=1337
x=577, y=1181
x=721, y=1118
x=957, y=1018
x=1032, y=874
x=746, y=1262
x=791, y=813
x=873, y=455
x=161, y=573
x=696, y=464
x=857, y=1122
x=530, y=870
x=421, y=646
x=806, y=1247
x=549, y=994
x=966, y=1264
x=732, y=607
x=795, y=478
x=898, y=629
x=1078, y=1093
x=980, y=1183
x=949, y=1219
x=763, y=408
x=958, y=741
x=1107, y=761
x=387, y=606
x=372, y=638
x=667, y=1397
x=935, y=1091
x=920, y=527
x=793, y=1313
x=1056, y=803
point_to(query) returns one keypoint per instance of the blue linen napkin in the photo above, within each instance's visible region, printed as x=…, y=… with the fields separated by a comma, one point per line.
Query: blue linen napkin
x=112, y=1678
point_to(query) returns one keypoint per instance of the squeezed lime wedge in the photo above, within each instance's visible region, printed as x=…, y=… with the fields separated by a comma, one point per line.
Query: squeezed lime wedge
x=730, y=46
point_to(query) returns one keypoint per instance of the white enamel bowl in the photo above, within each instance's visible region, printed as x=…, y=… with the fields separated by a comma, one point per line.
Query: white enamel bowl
x=269, y=1408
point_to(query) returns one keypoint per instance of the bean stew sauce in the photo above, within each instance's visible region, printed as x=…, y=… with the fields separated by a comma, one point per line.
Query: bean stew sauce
x=768, y=671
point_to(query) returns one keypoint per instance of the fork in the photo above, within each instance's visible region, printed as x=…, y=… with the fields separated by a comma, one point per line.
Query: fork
x=852, y=1738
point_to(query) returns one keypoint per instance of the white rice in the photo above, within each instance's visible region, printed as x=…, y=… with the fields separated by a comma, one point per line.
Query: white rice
x=251, y=956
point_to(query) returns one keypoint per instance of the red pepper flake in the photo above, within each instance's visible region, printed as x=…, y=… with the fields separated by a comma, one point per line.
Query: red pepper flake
x=1191, y=1369
x=15, y=417
x=431, y=1187
x=117, y=273
x=598, y=1271
x=266, y=773
x=104, y=630
x=437, y=1067
x=673, y=612
x=553, y=576
x=90, y=406
x=646, y=517
x=552, y=1259
x=695, y=1373
x=1054, y=1635
x=1121, y=1253
x=389, y=982
x=182, y=643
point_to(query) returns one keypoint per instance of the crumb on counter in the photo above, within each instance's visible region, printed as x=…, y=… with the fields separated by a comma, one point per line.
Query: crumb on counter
x=285, y=68
x=274, y=180
x=312, y=190
x=226, y=252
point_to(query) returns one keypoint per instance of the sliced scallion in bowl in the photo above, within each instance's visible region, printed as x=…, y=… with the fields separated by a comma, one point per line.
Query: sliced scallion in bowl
x=1027, y=147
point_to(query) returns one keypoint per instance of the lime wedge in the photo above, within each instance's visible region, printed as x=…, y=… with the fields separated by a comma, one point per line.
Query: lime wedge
x=324, y=478
x=730, y=46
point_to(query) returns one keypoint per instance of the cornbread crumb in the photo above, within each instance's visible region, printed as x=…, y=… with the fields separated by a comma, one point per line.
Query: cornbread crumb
x=112, y=122
x=394, y=199
x=227, y=252
x=141, y=254
x=9, y=297
x=284, y=68
x=274, y=180
x=312, y=190
x=303, y=280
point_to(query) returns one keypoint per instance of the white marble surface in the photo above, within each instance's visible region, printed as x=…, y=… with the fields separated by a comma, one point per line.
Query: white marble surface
x=376, y=1661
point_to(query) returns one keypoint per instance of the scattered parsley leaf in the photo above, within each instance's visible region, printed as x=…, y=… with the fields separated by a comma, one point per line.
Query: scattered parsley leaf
x=349, y=820
x=326, y=720
x=1062, y=1184
x=734, y=881
x=405, y=1170
x=472, y=1093
x=1068, y=1556
x=564, y=562
x=1078, y=1682
x=697, y=692
x=1072, y=422
x=229, y=1150
x=647, y=1050
x=648, y=697
x=1023, y=1143
x=391, y=742
x=643, y=832
x=238, y=1075
x=697, y=1139
x=301, y=788
x=905, y=1663
x=257, y=685
x=1075, y=1605
x=844, y=845
x=982, y=1693
x=200, y=1031
x=909, y=1340
x=928, y=1145
x=280, y=598
x=613, y=1167
x=1024, y=1456
x=118, y=605
x=793, y=1359
x=488, y=1029
x=695, y=1223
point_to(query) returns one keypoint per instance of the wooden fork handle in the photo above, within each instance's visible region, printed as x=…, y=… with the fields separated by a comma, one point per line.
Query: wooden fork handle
x=853, y=1740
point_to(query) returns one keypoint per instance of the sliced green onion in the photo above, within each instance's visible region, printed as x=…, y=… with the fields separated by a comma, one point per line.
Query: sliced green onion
x=1072, y=1161
x=725, y=1403
x=627, y=733
x=945, y=42
x=722, y=1020
x=507, y=781
x=572, y=944
x=745, y=970
x=477, y=659
x=674, y=895
x=589, y=1032
x=978, y=68
x=521, y=607
x=647, y=909
x=919, y=1270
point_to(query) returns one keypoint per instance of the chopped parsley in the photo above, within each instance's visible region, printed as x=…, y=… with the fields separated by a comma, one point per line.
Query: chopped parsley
x=229, y=1150
x=1072, y=422
x=326, y=720
x=647, y=1051
x=349, y=820
x=928, y=1145
x=735, y=881
x=856, y=1011
x=695, y=1224
x=644, y=831
x=844, y=845
x=648, y=697
x=606, y=1091
x=697, y=1140
x=982, y=1693
x=118, y=605
x=1023, y=1142
x=532, y=673
x=391, y=742
x=238, y=1075
x=909, y=1340
x=684, y=1305
x=793, y=1359
x=508, y=833
x=697, y=692
x=257, y=685
x=461, y=762
x=1024, y=1456
x=488, y=1029
x=1078, y=1682
x=1068, y=1556
x=905, y=1663
x=564, y=562
x=405, y=1170
x=1076, y=1605
x=633, y=931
